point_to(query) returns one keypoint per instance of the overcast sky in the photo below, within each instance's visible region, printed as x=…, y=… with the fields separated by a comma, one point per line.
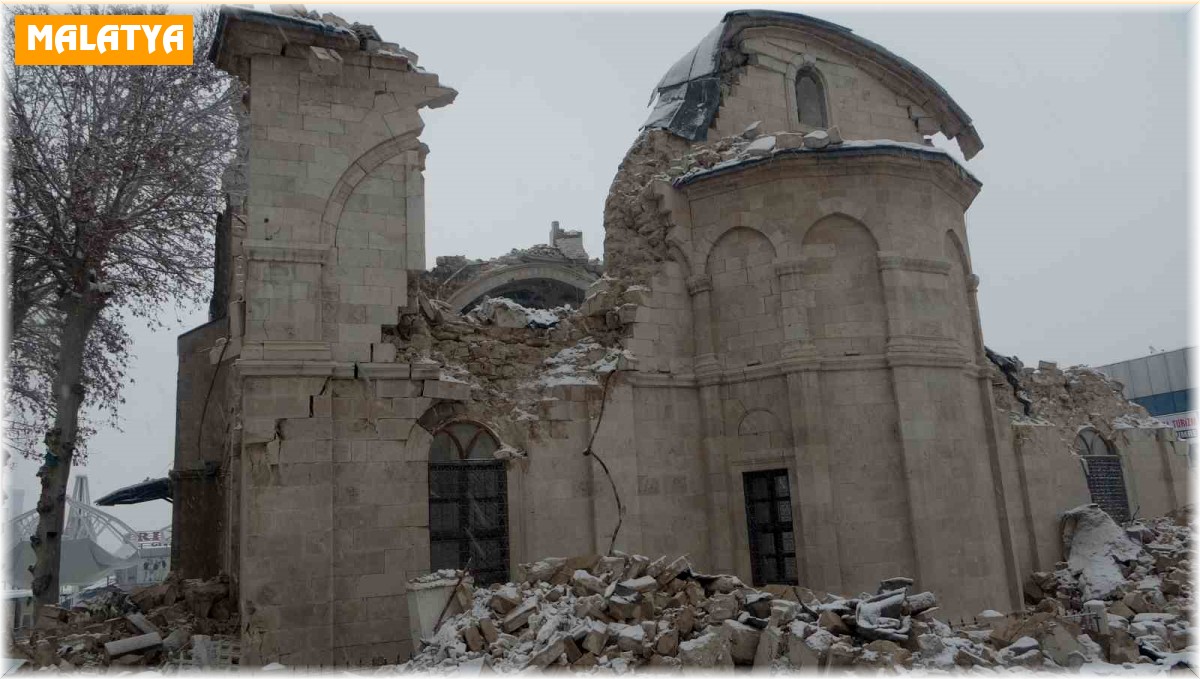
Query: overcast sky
x=1079, y=235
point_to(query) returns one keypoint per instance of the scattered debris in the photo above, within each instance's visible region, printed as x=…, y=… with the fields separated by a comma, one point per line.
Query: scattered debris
x=155, y=626
x=627, y=612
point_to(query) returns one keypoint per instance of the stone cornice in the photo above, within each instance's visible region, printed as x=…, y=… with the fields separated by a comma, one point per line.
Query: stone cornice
x=271, y=251
x=294, y=368
x=892, y=260
x=849, y=160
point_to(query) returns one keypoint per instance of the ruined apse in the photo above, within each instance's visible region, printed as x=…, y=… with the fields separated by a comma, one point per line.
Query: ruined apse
x=780, y=372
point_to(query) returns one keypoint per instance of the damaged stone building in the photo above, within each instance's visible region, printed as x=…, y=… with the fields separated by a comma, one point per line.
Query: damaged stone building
x=778, y=371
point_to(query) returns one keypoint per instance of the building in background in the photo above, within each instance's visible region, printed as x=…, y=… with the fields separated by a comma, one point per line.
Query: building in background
x=1161, y=384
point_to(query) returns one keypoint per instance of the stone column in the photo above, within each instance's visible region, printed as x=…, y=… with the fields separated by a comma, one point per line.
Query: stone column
x=950, y=478
x=707, y=369
x=819, y=562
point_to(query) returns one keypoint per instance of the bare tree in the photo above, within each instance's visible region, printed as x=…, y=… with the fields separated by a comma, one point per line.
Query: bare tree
x=115, y=190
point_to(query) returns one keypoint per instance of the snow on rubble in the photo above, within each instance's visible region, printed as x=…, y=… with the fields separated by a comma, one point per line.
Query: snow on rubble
x=625, y=613
x=505, y=313
x=579, y=364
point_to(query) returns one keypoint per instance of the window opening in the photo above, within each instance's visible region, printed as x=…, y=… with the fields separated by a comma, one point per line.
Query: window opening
x=468, y=503
x=769, y=520
x=810, y=99
x=1105, y=478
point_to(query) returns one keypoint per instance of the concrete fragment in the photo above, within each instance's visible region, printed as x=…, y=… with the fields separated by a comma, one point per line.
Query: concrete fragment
x=138, y=644
x=141, y=624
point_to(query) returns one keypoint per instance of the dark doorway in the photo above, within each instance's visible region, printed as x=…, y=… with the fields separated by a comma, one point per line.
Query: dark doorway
x=769, y=523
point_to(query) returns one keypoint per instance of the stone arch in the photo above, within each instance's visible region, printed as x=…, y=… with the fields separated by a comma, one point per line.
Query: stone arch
x=468, y=501
x=760, y=429
x=566, y=274
x=675, y=248
x=745, y=298
x=847, y=313
x=748, y=221
x=806, y=66
x=962, y=324
x=355, y=172
x=1104, y=473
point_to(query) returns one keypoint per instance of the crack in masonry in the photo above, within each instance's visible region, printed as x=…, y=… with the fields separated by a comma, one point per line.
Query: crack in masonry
x=590, y=451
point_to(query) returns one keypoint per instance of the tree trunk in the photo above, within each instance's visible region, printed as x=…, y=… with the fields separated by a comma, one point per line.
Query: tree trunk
x=79, y=318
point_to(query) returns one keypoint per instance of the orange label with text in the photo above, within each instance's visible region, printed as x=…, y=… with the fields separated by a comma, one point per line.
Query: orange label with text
x=103, y=40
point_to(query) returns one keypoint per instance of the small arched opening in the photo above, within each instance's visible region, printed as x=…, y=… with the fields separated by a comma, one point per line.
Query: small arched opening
x=810, y=99
x=1105, y=478
x=468, y=502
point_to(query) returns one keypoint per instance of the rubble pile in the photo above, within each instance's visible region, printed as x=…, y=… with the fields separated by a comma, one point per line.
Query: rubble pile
x=1071, y=398
x=627, y=612
x=154, y=626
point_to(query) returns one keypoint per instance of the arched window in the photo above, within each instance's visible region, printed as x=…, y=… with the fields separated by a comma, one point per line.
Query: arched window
x=1105, y=478
x=468, y=503
x=810, y=99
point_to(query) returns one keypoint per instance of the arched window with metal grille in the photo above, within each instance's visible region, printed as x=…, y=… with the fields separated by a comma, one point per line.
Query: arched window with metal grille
x=810, y=99
x=468, y=502
x=1105, y=478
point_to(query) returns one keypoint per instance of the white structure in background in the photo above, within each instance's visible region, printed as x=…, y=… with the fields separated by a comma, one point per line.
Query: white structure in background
x=1161, y=384
x=140, y=558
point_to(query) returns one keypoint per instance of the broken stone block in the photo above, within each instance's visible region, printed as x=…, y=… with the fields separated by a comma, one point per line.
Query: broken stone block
x=1122, y=647
x=596, y=638
x=769, y=641
x=841, y=654
x=817, y=139
x=707, y=650
x=138, y=644
x=1062, y=645
x=473, y=638
x=763, y=146
x=324, y=62
x=789, y=140
x=642, y=584
x=673, y=570
x=753, y=130
x=551, y=652
x=667, y=643
x=488, y=629
x=519, y=616
x=141, y=624
x=743, y=641
x=916, y=603
x=721, y=607
x=504, y=600
x=631, y=638
x=835, y=138
x=885, y=654
x=828, y=620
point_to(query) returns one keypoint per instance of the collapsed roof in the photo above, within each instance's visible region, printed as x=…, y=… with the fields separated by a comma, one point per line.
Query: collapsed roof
x=689, y=94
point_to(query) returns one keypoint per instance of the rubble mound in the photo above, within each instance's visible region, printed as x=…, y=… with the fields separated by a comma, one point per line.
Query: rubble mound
x=1072, y=397
x=176, y=622
x=627, y=612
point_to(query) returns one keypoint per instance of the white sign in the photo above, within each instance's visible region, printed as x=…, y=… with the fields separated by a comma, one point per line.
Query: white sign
x=1183, y=423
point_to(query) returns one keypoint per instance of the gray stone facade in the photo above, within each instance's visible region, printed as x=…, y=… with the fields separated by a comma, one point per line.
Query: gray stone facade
x=785, y=307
